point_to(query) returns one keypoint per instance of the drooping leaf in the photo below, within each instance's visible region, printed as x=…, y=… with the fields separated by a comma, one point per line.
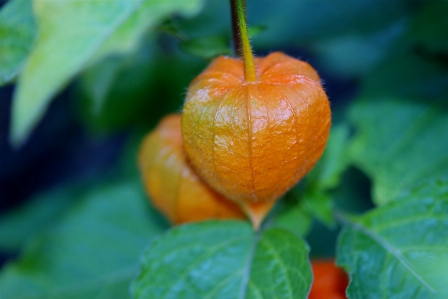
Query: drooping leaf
x=92, y=253
x=73, y=34
x=399, y=250
x=17, y=32
x=224, y=260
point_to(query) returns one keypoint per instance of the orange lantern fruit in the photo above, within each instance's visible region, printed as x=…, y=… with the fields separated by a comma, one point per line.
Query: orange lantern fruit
x=172, y=184
x=252, y=140
x=330, y=281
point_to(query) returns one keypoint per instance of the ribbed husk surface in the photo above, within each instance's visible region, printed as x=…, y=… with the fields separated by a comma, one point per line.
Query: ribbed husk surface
x=253, y=141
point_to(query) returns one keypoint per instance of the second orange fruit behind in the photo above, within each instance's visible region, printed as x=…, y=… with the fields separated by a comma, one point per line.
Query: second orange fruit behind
x=172, y=184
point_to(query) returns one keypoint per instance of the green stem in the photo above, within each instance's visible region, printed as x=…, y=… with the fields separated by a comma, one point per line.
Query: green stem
x=250, y=74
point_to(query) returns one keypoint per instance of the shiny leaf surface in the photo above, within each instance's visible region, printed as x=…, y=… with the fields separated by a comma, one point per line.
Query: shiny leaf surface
x=224, y=260
x=399, y=250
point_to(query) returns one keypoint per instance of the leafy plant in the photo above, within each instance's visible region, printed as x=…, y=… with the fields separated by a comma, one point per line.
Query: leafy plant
x=380, y=188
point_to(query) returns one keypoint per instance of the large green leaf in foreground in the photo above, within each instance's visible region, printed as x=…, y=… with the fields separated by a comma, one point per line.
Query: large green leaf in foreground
x=93, y=253
x=73, y=34
x=400, y=250
x=224, y=260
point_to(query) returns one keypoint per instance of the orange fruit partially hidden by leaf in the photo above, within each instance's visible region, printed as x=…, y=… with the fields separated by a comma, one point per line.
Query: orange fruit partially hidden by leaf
x=330, y=281
x=252, y=141
x=172, y=184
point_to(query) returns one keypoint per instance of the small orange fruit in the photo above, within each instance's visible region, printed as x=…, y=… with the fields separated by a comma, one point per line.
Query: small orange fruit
x=252, y=141
x=329, y=281
x=172, y=184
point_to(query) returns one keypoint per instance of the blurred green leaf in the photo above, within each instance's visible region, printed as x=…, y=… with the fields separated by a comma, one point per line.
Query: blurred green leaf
x=17, y=31
x=74, y=34
x=255, y=30
x=313, y=195
x=92, y=253
x=334, y=161
x=319, y=204
x=402, y=115
x=207, y=47
x=410, y=73
x=291, y=216
x=354, y=55
x=417, y=64
x=37, y=215
x=399, y=250
x=224, y=260
x=399, y=142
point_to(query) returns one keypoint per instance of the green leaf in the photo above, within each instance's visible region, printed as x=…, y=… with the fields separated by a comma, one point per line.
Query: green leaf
x=401, y=118
x=255, y=30
x=334, y=161
x=40, y=213
x=319, y=204
x=72, y=35
x=224, y=260
x=399, y=142
x=92, y=253
x=291, y=216
x=313, y=195
x=17, y=32
x=354, y=55
x=412, y=72
x=399, y=250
